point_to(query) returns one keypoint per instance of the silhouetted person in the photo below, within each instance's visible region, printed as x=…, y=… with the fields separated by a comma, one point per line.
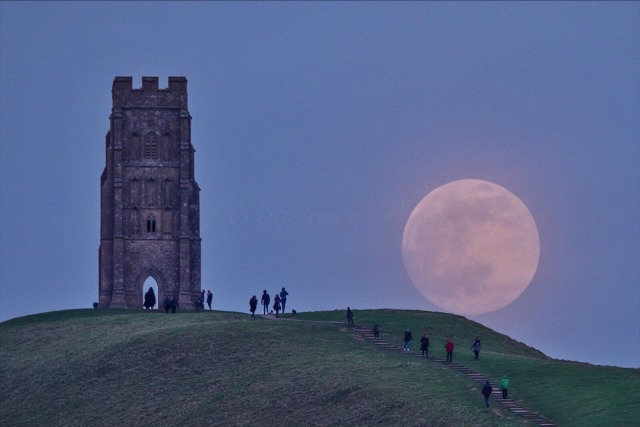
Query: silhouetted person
x=350, y=317
x=209, y=299
x=407, y=339
x=149, y=299
x=201, y=300
x=504, y=386
x=266, y=299
x=376, y=331
x=174, y=305
x=167, y=304
x=283, y=298
x=486, y=392
x=424, y=345
x=276, y=304
x=253, y=304
x=449, y=349
x=95, y=305
x=476, y=348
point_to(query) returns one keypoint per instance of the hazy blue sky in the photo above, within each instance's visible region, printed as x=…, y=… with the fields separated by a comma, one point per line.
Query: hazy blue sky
x=318, y=127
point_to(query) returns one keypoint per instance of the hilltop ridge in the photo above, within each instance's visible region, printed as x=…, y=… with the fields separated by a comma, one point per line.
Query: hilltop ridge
x=128, y=367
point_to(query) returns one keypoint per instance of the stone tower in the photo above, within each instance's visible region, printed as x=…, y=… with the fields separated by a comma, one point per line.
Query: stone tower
x=150, y=201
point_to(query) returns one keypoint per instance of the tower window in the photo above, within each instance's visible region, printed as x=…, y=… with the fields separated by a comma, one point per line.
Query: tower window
x=151, y=147
x=151, y=224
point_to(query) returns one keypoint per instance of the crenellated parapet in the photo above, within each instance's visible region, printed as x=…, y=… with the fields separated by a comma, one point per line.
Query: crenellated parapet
x=149, y=95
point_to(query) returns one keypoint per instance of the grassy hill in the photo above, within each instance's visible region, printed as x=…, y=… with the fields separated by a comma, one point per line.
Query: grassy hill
x=119, y=367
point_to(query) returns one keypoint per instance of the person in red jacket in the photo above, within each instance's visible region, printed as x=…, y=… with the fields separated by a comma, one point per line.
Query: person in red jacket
x=449, y=349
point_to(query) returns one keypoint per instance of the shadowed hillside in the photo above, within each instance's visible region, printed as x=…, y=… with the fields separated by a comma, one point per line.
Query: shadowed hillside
x=117, y=367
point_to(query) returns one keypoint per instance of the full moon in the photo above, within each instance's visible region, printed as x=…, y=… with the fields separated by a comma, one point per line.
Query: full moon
x=471, y=247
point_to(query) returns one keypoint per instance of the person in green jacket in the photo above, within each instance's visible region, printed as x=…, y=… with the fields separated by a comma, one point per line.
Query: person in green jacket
x=504, y=386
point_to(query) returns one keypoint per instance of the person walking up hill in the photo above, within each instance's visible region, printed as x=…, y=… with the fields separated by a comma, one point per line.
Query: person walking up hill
x=504, y=386
x=449, y=346
x=350, y=317
x=424, y=346
x=476, y=348
x=486, y=392
x=407, y=340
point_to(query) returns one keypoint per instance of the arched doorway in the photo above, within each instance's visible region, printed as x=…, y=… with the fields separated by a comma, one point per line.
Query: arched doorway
x=150, y=282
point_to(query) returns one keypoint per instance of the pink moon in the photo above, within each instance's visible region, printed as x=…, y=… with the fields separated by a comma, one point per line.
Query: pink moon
x=471, y=247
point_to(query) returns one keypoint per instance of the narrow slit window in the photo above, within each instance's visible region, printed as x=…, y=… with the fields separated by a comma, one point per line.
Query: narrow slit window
x=151, y=225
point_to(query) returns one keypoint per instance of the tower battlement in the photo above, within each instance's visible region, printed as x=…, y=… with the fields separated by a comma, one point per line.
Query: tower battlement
x=149, y=84
x=149, y=95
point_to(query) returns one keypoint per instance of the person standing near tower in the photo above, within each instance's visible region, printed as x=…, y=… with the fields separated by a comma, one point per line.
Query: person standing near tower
x=209, y=299
x=276, y=304
x=149, y=299
x=266, y=299
x=283, y=298
x=253, y=304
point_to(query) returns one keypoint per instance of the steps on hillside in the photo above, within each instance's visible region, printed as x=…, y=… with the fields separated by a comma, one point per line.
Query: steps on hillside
x=473, y=375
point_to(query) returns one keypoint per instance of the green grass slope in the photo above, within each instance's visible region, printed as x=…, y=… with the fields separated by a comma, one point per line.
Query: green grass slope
x=118, y=367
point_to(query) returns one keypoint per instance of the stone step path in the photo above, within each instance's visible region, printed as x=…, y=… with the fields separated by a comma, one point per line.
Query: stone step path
x=473, y=375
